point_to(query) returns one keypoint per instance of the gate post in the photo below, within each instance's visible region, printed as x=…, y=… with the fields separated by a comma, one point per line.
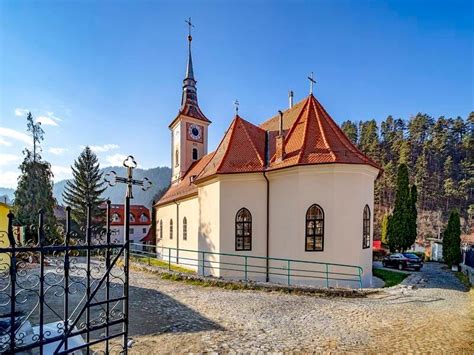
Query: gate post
x=11, y=238
x=126, y=270
x=41, y=279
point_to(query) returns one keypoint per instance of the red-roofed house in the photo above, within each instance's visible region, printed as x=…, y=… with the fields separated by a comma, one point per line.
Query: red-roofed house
x=292, y=187
x=139, y=220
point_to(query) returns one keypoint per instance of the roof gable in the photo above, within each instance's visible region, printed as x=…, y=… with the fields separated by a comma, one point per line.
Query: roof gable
x=241, y=150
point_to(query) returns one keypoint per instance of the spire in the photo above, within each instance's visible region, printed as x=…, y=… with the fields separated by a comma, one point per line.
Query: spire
x=189, y=101
x=189, y=98
x=189, y=68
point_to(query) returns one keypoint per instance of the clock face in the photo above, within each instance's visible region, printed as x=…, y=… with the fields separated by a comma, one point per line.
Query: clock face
x=195, y=132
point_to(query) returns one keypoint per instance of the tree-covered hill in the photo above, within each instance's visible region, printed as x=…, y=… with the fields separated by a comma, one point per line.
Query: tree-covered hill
x=439, y=156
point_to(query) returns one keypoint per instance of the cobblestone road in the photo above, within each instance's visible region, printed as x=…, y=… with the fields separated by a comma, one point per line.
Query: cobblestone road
x=437, y=315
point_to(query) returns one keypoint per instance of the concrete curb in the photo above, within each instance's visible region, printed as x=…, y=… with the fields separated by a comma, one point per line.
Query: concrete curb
x=260, y=286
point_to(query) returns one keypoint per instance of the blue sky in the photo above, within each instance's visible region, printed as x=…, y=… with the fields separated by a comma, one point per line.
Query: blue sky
x=109, y=73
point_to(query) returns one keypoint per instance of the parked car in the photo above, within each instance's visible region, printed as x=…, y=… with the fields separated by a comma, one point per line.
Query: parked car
x=403, y=261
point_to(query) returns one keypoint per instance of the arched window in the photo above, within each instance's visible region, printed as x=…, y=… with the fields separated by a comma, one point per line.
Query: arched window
x=195, y=154
x=143, y=218
x=243, y=230
x=161, y=229
x=171, y=229
x=115, y=217
x=366, y=228
x=314, y=228
x=131, y=217
x=185, y=229
x=176, y=158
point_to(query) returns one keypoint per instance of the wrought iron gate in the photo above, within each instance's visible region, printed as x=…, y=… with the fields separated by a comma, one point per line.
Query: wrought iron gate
x=70, y=295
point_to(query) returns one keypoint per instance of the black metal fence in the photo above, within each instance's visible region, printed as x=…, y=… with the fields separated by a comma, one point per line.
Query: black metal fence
x=64, y=297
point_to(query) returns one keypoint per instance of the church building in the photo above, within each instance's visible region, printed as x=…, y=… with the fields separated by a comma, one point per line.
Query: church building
x=292, y=187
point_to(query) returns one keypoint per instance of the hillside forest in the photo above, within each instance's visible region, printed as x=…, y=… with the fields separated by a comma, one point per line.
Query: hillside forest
x=439, y=156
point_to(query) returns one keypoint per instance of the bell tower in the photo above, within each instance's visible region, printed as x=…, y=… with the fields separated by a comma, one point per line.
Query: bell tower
x=189, y=128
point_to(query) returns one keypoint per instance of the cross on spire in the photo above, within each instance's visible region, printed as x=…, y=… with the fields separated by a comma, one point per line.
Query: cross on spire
x=311, y=82
x=188, y=21
x=236, y=105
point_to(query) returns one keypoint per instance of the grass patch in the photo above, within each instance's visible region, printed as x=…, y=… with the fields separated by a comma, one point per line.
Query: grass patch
x=391, y=278
x=464, y=279
x=160, y=264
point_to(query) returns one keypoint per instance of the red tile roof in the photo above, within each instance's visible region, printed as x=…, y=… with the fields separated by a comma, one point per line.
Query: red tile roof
x=311, y=137
x=185, y=187
x=190, y=111
x=136, y=210
x=242, y=150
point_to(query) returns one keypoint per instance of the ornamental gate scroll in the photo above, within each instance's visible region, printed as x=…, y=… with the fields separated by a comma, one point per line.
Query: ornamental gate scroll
x=69, y=293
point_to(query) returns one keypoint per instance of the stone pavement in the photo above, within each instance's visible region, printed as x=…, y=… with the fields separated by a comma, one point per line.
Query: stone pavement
x=430, y=313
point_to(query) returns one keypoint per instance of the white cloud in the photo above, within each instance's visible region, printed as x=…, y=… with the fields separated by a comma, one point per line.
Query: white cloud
x=19, y=112
x=9, y=178
x=6, y=159
x=50, y=119
x=5, y=142
x=61, y=172
x=11, y=133
x=47, y=121
x=57, y=150
x=103, y=148
x=53, y=116
x=115, y=160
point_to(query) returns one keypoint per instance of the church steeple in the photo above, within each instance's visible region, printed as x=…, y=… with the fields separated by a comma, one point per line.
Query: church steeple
x=189, y=101
x=189, y=128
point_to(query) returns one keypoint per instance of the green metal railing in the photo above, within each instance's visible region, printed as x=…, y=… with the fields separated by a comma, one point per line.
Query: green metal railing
x=249, y=267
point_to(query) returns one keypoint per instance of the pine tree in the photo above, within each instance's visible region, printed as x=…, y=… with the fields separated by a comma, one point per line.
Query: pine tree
x=399, y=226
x=452, y=240
x=350, y=129
x=85, y=188
x=35, y=186
x=414, y=216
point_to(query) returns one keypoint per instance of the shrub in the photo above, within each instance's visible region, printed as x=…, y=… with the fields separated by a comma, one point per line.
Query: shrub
x=379, y=254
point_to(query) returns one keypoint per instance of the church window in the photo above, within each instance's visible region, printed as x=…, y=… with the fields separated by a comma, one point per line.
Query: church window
x=185, y=229
x=161, y=229
x=366, y=228
x=243, y=230
x=171, y=229
x=314, y=229
x=195, y=154
x=176, y=158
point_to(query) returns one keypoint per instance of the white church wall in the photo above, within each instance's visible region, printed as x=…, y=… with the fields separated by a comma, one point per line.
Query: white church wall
x=187, y=208
x=342, y=191
x=243, y=191
x=209, y=227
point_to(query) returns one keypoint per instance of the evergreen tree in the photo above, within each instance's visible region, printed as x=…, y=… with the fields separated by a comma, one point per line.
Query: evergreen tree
x=369, y=139
x=35, y=186
x=452, y=240
x=85, y=188
x=350, y=129
x=399, y=226
x=414, y=216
